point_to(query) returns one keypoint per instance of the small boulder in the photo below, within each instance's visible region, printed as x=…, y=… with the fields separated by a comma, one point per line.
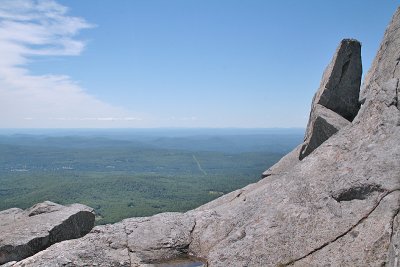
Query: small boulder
x=24, y=233
x=44, y=207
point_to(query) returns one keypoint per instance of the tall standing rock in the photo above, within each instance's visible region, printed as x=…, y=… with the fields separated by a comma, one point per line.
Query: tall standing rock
x=340, y=86
x=338, y=92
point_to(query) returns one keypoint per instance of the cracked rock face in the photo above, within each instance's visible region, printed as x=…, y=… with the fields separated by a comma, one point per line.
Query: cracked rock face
x=24, y=233
x=366, y=244
x=339, y=206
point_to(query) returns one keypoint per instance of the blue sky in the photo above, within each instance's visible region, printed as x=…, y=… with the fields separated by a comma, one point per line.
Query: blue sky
x=177, y=63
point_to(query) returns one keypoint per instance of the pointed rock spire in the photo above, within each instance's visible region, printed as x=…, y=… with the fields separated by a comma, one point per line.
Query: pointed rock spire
x=340, y=86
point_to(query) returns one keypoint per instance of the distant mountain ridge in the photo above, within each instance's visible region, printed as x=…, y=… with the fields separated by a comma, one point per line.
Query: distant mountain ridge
x=222, y=140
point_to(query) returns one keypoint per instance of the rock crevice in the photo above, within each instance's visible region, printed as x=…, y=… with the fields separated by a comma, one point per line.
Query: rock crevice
x=394, y=250
x=357, y=192
x=127, y=245
x=396, y=98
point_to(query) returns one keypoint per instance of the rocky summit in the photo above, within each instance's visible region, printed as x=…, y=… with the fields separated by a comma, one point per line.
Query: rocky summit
x=332, y=201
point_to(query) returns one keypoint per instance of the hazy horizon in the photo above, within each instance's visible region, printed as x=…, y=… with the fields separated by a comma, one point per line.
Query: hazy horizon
x=151, y=131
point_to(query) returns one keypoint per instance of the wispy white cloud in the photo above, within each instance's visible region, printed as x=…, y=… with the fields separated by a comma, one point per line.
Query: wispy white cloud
x=96, y=119
x=40, y=28
x=191, y=118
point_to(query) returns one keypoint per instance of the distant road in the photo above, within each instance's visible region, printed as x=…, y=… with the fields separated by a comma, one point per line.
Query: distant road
x=198, y=165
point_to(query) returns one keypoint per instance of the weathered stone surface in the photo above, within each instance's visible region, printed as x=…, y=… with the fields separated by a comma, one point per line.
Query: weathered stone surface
x=386, y=63
x=323, y=124
x=339, y=206
x=366, y=244
x=24, y=233
x=103, y=246
x=131, y=242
